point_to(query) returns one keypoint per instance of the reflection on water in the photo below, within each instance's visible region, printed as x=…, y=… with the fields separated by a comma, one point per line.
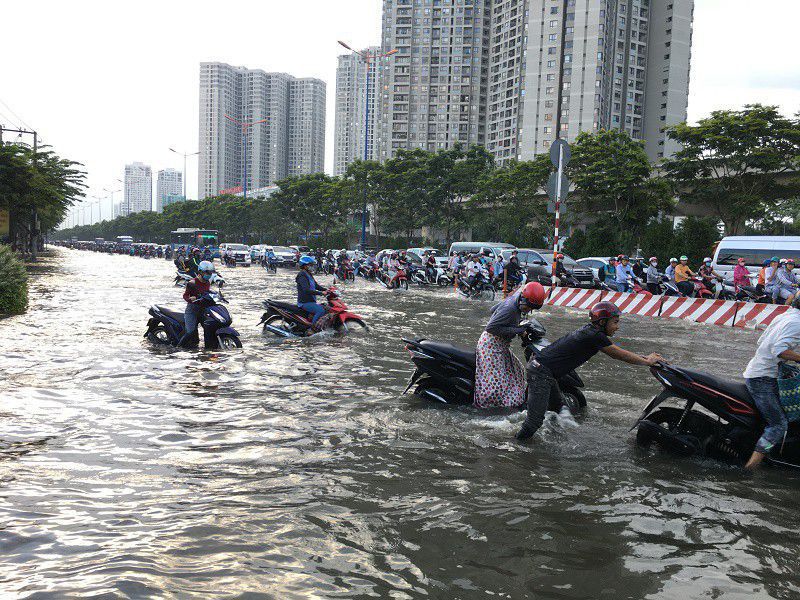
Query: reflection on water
x=295, y=469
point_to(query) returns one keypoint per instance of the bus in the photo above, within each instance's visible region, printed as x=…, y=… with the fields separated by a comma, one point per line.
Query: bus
x=189, y=236
x=124, y=240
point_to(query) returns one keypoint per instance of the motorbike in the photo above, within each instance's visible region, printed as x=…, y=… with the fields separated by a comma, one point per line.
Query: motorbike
x=166, y=326
x=700, y=289
x=446, y=374
x=345, y=273
x=668, y=287
x=289, y=320
x=418, y=275
x=481, y=289
x=367, y=272
x=715, y=417
x=399, y=281
x=749, y=293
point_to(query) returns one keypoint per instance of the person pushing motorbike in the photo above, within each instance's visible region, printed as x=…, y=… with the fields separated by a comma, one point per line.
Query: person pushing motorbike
x=499, y=375
x=195, y=288
x=570, y=352
x=308, y=289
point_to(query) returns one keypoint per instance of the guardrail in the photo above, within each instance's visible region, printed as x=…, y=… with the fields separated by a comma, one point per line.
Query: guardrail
x=725, y=313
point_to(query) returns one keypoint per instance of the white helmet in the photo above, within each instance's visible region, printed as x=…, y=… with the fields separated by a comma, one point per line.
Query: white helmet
x=707, y=259
x=205, y=267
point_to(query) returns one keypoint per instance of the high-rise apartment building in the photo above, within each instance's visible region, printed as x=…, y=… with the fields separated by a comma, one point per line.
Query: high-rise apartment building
x=511, y=74
x=229, y=94
x=169, y=182
x=566, y=66
x=352, y=95
x=433, y=90
x=306, y=147
x=138, y=186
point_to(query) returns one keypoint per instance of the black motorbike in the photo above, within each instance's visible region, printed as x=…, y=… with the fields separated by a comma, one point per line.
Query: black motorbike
x=446, y=373
x=166, y=326
x=711, y=417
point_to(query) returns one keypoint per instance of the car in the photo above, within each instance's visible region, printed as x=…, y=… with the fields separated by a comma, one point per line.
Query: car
x=494, y=248
x=595, y=263
x=539, y=265
x=754, y=250
x=287, y=257
x=301, y=249
x=415, y=254
x=241, y=253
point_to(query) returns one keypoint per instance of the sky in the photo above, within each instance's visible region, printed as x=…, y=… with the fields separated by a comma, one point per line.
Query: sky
x=108, y=83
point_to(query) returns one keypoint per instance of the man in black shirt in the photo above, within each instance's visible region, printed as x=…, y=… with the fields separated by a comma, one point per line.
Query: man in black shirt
x=570, y=352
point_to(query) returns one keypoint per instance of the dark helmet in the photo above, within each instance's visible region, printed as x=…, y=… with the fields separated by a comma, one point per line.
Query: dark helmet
x=602, y=311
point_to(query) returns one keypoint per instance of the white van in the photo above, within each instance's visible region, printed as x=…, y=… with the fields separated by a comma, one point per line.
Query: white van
x=494, y=247
x=754, y=249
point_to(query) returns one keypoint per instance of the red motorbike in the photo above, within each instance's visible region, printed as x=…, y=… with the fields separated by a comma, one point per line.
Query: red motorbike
x=399, y=281
x=289, y=320
x=700, y=288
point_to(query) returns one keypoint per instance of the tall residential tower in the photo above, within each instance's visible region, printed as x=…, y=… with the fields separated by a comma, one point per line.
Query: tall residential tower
x=433, y=90
x=291, y=140
x=138, y=186
x=168, y=183
x=511, y=74
x=352, y=95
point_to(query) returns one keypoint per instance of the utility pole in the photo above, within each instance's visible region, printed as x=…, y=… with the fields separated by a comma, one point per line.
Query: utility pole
x=34, y=228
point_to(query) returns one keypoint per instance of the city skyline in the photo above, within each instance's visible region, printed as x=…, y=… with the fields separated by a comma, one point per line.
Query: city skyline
x=725, y=74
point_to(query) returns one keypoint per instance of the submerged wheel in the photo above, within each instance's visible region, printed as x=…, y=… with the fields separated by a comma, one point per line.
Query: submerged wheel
x=280, y=322
x=403, y=284
x=428, y=390
x=573, y=402
x=159, y=335
x=353, y=325
x=229, y=342
x=488, y=293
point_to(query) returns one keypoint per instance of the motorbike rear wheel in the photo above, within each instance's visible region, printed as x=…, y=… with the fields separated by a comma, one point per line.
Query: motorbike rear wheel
x=159, y=335
x=428, y=390
x=402, y=284
x=279, y=322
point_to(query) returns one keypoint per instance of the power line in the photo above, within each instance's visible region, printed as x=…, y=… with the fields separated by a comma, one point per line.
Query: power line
x=15, y=114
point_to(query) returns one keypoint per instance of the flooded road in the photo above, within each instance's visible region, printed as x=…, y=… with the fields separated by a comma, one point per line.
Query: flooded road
x=296, y=469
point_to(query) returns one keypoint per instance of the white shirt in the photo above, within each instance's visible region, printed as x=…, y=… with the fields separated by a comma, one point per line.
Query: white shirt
x=783, y=334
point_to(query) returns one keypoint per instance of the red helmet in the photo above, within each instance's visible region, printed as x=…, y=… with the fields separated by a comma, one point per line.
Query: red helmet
x=603, y=310
x=534, y=293
x=559, y=257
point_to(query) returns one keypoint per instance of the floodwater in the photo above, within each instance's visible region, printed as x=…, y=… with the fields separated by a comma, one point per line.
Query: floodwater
x=296, y=469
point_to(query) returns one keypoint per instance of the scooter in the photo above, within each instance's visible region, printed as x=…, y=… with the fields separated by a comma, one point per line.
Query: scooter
x=182, y=278
x=289, y=320
x=446, y=374
x=711, y=417
x=398, y=282
x=166, y=326
x=482, y=289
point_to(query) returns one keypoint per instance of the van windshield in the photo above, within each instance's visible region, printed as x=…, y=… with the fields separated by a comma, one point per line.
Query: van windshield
x=752, y=257
x=236, y=247
x=277, y=249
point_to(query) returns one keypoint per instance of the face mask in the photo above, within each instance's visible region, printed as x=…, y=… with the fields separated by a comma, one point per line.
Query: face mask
x=206, y=276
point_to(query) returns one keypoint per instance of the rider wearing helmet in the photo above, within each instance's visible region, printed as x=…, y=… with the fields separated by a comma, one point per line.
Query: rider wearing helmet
x=499, y=375
x=608, y=274
x=624, y=272
x=561, y=270
x=194, y=261
x=683, y=274
x=653, y=276
x=195, y=288
x=308, y=289
x=570, y=352
x=669, y=272
x=709, y=275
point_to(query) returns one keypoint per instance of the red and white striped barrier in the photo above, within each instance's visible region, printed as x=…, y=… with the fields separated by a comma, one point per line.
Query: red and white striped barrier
x=726, y=313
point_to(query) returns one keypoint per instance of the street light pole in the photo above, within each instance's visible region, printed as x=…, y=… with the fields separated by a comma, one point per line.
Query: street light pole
x=184, y=154
x=112, y=192
x=368, y=57
x=245, y=127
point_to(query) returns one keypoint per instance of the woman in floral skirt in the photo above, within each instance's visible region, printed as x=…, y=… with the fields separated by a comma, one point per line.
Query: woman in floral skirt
x=499, y=375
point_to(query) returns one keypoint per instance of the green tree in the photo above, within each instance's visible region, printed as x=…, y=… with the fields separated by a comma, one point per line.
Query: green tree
x=734, y=163
x=453, y=178
x=509, y=206
x=614, y=184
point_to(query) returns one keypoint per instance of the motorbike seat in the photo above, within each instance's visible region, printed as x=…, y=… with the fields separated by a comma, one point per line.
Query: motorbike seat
x=462, y=354
x=733, y=387
x=289, y=307
x=172, y=314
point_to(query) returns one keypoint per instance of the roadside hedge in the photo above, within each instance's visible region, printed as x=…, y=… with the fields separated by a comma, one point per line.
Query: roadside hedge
x=13, y=283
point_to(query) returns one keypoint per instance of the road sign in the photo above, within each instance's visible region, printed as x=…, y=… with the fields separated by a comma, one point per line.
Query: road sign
x=555, y=148
x=551, y=208
x=552, y=183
